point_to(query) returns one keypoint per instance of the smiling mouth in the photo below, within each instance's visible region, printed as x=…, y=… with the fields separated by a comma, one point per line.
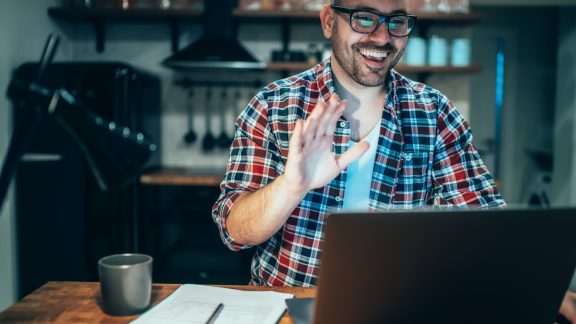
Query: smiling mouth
x=373, y=55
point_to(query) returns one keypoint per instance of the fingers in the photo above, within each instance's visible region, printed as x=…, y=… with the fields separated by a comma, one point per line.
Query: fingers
x=322, y=120
x=352, y=154
x=312, y=122
x=332, y=112
x=296, y=138
x=331, y=126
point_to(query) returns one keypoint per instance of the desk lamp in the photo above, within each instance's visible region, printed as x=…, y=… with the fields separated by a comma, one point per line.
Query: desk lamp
x=115, y=154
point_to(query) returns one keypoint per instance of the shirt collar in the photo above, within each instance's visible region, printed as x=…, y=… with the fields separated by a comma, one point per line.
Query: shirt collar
x=325, y=81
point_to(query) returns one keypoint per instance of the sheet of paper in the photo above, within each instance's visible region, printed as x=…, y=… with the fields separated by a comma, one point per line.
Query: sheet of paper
x=195, y=303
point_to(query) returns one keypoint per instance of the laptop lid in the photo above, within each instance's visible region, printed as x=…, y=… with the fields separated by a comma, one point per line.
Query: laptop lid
x=448, y=266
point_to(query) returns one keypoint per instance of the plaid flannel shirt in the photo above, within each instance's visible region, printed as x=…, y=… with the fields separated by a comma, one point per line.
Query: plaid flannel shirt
x=425, y=155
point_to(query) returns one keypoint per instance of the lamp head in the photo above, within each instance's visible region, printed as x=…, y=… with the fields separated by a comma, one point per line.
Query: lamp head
x=114, y=152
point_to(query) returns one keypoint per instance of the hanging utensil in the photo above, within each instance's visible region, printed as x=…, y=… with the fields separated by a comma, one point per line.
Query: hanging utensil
x=223, y=140
x=236, y=107
x=190, y=136
x=208, y=141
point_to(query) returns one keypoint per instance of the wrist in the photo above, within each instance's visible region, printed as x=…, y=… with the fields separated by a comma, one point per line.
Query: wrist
x=293, y=190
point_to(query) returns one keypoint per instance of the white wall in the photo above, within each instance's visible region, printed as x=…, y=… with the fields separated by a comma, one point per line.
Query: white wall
x=564, y=177
x=24, y=26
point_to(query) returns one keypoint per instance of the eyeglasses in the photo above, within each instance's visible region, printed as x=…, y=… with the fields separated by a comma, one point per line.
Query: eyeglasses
x=368, y=22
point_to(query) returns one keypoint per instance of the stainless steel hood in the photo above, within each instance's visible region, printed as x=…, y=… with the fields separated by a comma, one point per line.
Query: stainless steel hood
x=213, y=52
x=218, y=47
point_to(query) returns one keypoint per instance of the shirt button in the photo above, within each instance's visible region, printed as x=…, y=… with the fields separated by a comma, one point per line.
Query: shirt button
x=338, y=199
x=408, y=157
x=342, y=124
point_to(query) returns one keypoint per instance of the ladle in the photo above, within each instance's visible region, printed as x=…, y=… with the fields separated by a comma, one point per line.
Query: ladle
x=208, y=141
x=223, y=141
x=190, y=136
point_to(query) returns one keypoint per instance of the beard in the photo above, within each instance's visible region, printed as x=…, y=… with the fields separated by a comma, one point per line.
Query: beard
x=350, y=60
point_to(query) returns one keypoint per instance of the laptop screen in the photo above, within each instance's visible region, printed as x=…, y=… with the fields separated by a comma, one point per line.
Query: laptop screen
x=446, y=266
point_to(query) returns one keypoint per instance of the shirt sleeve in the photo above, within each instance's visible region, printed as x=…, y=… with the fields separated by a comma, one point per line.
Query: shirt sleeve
x=459, y=174
x=253, y=163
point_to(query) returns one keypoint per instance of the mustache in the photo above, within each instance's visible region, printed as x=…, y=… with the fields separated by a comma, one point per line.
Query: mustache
x=388, y=47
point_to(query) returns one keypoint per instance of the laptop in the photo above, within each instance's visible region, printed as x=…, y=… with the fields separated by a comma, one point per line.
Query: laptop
x=443, y=266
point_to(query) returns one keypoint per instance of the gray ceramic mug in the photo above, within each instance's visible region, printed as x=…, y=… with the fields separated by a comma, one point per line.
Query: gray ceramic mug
x=125, y=283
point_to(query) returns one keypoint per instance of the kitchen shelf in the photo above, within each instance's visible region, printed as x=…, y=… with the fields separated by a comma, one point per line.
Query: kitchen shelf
x=301, y=66
x=183, y=176
x=274, y=14
x=98, y=16
x=175, y=16
x=439, y=18
x=140, y=14
x=286, y=17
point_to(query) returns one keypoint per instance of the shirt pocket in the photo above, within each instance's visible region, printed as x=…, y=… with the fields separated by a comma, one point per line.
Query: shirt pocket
x=414, y=180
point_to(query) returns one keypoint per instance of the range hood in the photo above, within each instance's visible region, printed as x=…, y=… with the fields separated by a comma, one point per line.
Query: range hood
x=218, y=47
x=213, y=52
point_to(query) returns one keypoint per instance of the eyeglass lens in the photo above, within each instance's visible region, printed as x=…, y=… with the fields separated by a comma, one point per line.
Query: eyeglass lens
x=367, y=22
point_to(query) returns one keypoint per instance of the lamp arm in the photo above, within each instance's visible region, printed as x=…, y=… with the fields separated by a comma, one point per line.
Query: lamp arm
x=37, y=98
x=18, y=142
x=115, y=154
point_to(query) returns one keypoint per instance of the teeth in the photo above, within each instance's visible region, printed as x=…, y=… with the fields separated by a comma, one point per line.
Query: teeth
x=373, y=53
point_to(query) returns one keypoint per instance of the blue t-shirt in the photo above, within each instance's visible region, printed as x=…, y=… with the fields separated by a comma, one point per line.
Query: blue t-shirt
x=359, y=177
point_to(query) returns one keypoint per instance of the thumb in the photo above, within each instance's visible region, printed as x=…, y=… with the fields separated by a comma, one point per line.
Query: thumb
x=352, y=154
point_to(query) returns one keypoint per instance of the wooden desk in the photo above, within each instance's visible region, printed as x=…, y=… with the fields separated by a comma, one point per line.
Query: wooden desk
x=79, y=302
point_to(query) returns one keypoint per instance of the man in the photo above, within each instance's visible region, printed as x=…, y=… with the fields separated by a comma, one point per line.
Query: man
x=350, y=133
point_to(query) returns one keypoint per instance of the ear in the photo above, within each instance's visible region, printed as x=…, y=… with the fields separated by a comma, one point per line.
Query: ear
x=327, y=21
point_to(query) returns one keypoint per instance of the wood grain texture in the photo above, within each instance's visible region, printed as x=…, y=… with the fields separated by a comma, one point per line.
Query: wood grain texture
x=180, y=176
x=79, y=302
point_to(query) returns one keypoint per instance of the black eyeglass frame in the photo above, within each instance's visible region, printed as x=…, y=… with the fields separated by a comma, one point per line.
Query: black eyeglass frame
x=381, y=19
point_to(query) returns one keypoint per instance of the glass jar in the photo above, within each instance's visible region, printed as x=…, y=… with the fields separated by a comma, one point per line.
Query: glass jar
x=165, y=4
x=437, y=51
x=415, y=54
x=314, y=5
x=444, y=6
x=460, y=52
x=462, y=6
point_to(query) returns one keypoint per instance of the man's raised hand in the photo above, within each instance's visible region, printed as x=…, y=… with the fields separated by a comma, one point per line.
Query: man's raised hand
x=311, y=163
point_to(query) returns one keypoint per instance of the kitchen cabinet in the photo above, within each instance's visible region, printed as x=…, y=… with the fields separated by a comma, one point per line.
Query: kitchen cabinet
x=177, y=229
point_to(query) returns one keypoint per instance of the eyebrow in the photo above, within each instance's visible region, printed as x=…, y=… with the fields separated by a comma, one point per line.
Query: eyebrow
x=394, y=12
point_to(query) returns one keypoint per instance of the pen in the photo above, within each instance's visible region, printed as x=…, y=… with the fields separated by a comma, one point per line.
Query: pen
x=215, y=314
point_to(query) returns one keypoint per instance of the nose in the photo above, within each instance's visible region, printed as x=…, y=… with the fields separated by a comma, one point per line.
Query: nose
x=381, y=34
